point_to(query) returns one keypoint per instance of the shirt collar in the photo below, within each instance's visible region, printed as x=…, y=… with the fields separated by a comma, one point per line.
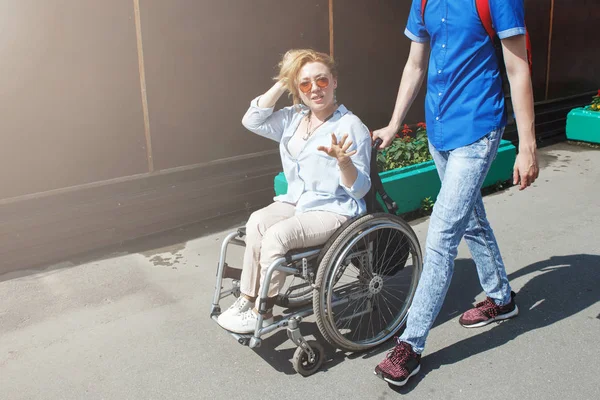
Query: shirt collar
x=341, y=110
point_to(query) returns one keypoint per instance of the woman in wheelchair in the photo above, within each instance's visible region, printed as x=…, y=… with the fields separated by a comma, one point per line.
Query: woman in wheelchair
x=325, y=152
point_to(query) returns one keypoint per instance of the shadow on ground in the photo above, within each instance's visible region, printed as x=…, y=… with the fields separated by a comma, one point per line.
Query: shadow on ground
x=563, y=286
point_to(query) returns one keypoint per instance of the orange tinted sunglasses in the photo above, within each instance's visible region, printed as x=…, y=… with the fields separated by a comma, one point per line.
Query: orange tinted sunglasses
x=306, y=86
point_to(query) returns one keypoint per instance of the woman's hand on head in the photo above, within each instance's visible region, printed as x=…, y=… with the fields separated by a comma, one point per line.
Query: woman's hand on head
x=339, y=150
x=282, y=83
x=271, y=96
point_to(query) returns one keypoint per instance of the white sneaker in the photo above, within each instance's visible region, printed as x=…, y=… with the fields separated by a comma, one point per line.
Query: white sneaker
x=240, y=305
x=242, y=323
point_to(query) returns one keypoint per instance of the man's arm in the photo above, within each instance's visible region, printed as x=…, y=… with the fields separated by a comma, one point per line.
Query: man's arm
x=526, y=168
x=410, y=84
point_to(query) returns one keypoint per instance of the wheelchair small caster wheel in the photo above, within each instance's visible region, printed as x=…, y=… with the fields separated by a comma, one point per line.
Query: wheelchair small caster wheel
x=302, y=363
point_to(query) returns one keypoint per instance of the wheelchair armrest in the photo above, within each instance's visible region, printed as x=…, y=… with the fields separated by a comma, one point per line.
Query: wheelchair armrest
x=291, y=253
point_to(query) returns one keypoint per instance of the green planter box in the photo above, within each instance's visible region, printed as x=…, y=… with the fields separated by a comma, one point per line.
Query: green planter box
x=583, y=125
x=408, y=186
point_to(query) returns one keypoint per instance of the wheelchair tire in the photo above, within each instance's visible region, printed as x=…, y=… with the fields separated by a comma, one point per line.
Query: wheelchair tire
x=381, y=288
x=301, y=363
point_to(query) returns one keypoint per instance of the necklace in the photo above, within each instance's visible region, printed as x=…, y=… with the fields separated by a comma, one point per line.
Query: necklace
x=309, y=132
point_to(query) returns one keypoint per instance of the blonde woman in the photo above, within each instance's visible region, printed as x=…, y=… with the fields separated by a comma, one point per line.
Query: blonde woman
x=325, y=152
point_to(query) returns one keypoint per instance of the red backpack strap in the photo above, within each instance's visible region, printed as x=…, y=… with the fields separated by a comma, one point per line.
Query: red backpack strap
x=483, y=9
x=423, y=4
x=529, y=57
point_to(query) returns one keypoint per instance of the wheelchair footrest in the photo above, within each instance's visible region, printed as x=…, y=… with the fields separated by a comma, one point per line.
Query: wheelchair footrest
x=241, y=339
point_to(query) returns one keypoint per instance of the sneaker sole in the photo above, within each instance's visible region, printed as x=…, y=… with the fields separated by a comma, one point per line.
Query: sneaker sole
x=248, y=331
x=399, y=383
x=511, y=314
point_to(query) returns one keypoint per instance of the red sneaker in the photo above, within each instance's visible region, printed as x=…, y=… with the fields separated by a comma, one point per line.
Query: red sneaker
x=487, y=311
x=399, y=365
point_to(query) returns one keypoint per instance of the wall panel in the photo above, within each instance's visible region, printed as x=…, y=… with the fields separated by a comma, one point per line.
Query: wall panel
x=70, y=107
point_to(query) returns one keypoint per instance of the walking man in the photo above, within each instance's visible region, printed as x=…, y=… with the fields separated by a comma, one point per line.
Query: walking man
x=466, y=117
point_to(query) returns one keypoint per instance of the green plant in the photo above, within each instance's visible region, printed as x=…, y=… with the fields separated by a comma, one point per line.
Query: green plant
x=405, y=150
x=595, y=105
x=427, y=204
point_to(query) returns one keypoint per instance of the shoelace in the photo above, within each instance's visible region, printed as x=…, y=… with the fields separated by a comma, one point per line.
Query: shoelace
x=241, y=304
x=249, y=314
x=399, y=355
x=488, y=307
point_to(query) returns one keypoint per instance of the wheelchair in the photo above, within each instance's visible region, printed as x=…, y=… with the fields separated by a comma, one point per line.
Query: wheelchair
x=359, y=285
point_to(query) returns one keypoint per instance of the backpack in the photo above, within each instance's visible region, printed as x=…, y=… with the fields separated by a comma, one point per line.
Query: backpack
x=483, y=10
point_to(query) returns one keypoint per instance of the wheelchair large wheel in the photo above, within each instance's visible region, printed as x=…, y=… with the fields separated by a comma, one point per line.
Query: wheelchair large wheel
x=366, y=280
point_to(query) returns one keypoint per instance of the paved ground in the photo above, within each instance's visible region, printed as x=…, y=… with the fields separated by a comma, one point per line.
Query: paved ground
x=135, y=325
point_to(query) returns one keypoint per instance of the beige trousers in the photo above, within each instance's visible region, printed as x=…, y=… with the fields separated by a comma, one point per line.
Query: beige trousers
x=273, y=231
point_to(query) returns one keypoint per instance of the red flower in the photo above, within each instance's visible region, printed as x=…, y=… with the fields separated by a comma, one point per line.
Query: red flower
x=424, y=126
x=406, y=130
x=398, y=136
x=598, y=92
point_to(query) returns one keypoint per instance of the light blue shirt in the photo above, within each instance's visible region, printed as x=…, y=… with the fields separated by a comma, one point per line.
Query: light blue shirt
x=465, y=100
x=314, y=178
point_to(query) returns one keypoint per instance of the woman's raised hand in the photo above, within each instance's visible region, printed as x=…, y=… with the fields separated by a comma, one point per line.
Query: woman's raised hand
x=339, y=150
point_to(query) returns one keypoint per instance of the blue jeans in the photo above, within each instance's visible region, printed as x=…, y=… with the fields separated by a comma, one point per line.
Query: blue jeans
x=458, y=212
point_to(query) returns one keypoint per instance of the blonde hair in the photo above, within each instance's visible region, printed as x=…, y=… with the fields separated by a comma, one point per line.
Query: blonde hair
x=292, y=63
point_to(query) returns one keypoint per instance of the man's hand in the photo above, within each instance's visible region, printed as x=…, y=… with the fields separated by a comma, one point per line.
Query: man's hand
x=526, y=168
x=386, y=134
x=338, y=150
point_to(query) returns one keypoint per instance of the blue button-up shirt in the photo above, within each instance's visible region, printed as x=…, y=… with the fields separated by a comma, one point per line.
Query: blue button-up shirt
x=464, y=100
x=313, y=177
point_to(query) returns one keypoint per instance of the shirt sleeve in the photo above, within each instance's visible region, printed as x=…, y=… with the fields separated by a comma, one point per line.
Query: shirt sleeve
x=508, y=17
x=415, y=29
x=361, y=142
x=266, y=123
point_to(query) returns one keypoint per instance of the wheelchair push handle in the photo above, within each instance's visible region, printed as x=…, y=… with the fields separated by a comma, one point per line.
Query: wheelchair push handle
x=377, y=143
x=376, y=180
